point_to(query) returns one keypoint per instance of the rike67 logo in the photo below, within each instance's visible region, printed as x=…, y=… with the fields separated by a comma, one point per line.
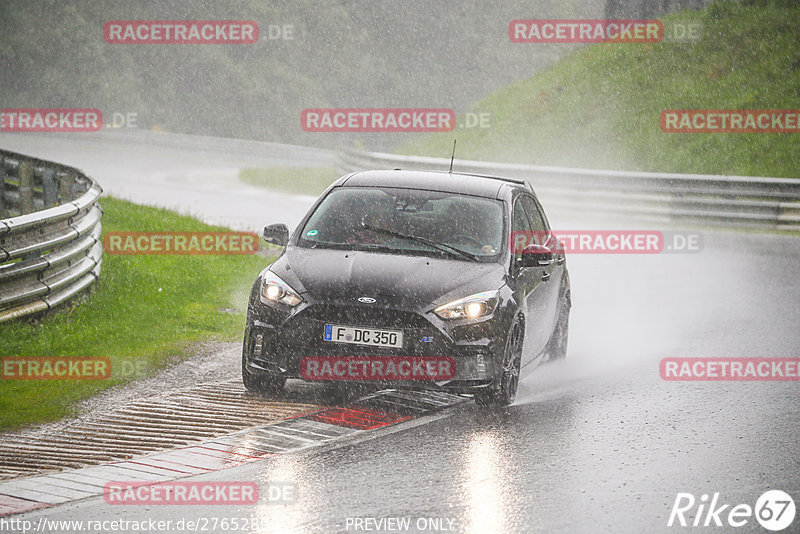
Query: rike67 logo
x=774, y=510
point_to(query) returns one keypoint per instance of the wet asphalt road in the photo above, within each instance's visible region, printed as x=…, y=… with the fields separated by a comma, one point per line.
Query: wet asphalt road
x=192, y=181
x=597, y=444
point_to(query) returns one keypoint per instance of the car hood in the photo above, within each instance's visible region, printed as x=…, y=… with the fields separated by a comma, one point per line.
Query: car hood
x=326, y=272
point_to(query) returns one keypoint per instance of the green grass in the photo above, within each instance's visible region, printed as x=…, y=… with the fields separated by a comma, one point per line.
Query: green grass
x=600, y=106
x=303, y=180
x=144, y=312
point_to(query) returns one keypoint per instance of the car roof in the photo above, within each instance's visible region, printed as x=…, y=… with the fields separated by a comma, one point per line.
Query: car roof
x=463, y=183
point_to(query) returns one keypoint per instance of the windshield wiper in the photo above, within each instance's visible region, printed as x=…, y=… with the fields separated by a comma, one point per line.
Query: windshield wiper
x=442, y=247
x=350, y=246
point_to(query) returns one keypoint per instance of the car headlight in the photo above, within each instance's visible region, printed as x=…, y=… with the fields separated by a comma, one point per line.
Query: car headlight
x=471, y=307
x=273, y=289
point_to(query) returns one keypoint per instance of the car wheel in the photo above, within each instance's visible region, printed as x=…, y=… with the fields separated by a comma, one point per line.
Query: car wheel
x=264, y=385
x=505, y=392
x=557, y=348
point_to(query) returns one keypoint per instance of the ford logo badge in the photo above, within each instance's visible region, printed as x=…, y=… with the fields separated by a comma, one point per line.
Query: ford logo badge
x=366, y=300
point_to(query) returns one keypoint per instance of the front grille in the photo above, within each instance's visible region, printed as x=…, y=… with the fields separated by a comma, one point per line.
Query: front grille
x=365, y=316
x=303, y=334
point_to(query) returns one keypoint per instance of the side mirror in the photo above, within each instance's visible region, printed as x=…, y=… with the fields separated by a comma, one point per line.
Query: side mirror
x=277, y=234
x=535, y=256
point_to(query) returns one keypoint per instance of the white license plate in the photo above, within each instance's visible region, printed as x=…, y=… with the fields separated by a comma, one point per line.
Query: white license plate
x=363, y=336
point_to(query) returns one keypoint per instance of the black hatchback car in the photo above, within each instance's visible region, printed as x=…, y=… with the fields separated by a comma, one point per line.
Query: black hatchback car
x=411, y=279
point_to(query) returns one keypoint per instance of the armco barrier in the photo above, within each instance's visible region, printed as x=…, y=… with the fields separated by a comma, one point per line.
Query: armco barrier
x=50, y=246
x=745, y=201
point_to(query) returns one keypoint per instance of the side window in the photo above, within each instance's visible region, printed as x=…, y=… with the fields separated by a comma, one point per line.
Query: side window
x=520, y=229
x=535, y=214
x=521, y=222
x=540, y=227
x=542, y=214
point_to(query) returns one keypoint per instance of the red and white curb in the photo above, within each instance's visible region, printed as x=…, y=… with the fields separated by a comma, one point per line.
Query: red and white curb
x=369, y=413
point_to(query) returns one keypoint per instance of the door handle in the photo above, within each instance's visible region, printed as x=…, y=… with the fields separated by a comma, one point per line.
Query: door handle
x=545, y=276
x=560, y=260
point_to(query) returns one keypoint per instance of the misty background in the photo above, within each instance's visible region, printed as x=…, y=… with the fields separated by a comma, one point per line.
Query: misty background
x=345, y=53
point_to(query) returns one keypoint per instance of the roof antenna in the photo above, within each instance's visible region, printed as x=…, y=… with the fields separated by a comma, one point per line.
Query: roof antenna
x=453, y=156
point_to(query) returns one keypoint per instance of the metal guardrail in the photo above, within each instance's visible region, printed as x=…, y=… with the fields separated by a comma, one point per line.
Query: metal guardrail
x=50, y=244
x=754, y=202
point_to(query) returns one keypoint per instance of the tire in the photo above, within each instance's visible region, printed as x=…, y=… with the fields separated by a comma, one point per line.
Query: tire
x=261, y=384
x=504, y=393
x=557, y=347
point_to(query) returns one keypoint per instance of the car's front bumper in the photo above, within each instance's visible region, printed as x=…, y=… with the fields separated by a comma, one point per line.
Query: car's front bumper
x=277, y=340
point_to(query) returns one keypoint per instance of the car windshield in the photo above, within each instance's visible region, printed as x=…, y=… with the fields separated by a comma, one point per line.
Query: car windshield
x=408, y=221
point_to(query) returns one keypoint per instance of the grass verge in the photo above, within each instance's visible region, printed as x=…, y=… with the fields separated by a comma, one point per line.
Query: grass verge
x=143, y=313
x=300, y=180
x=600, y=106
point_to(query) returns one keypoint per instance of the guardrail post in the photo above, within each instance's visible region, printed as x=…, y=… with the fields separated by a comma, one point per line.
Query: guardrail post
x=49, y=188
x=25, y=173
x=65, y=189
